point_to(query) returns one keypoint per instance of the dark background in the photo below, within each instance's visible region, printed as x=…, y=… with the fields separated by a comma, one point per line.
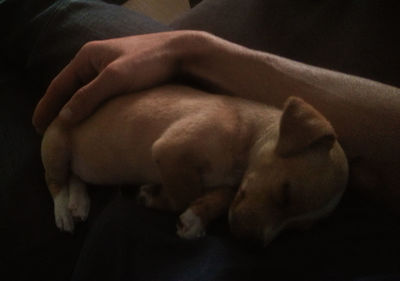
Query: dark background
x=122, y=241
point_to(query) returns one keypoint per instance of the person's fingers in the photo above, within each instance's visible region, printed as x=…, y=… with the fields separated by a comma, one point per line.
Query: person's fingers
x=119, y=77
x=110, y=82
x=102, y=69
x=85, y=66
x=59, y=91
x=55, y=97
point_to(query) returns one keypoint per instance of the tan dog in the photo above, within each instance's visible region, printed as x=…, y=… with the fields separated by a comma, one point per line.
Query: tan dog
x=195, y=149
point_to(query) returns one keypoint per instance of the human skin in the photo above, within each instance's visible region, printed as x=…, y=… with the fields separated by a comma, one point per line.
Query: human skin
x=364, y=113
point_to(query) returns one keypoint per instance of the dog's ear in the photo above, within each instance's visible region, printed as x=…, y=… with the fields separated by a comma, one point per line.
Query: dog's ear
x=302, y=127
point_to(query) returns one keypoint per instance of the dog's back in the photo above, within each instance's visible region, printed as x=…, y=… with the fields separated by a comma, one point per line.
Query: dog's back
x=124, y=130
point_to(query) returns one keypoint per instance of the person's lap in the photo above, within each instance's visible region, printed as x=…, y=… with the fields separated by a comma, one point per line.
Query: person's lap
x=128, y=242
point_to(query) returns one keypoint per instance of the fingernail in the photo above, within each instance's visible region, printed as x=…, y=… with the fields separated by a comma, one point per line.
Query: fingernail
x=66, y=114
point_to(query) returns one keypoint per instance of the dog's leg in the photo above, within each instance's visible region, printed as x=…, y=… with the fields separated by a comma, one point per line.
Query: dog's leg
x=193, y=222
x=184, y=154
x=79, y=201
x=56, y=158
x=180, y=169
x=181, y=186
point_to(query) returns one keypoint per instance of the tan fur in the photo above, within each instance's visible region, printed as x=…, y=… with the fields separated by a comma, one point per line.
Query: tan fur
x=201, y=147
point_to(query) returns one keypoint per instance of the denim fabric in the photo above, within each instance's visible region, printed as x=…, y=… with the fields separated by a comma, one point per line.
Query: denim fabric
x=43, y=42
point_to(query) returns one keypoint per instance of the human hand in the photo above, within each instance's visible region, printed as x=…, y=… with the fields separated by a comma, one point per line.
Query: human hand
x=102, y=69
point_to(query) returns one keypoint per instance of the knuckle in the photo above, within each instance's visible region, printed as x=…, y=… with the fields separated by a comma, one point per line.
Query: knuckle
x=80, y=98
x=90, y=49
x=90, y=46
x=87, y=51
x=114, y=70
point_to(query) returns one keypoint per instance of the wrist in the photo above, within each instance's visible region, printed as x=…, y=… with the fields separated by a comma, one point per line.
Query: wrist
x=190, y=48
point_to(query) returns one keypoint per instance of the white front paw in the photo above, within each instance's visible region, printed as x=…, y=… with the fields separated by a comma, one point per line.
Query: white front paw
x=63, y=216
x=147, y=195
x=190, y=226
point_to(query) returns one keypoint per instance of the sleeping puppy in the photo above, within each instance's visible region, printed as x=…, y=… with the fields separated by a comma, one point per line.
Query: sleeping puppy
x=202, y=155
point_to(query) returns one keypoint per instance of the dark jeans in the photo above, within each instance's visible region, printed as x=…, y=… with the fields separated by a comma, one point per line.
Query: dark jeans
x=342, y=35
x=122, y=241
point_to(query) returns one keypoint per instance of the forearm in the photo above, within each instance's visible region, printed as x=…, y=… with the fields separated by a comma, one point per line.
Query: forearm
x=365, y=114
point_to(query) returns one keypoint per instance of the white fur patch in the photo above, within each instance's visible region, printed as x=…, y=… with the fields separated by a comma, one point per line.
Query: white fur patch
x=63, y=216
x=145, y=196
x=191, y=226
x=79, y=201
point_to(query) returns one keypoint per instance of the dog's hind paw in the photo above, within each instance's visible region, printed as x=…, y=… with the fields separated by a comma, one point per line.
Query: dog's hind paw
x=63, y=216
x=79, y=200
x=65, y=222
x=190, y=226
x=79, y=209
